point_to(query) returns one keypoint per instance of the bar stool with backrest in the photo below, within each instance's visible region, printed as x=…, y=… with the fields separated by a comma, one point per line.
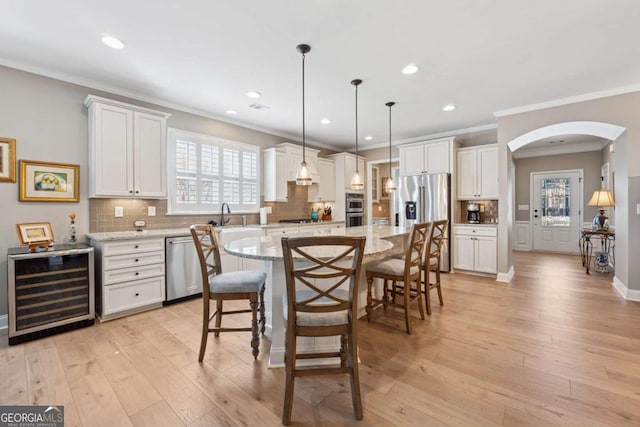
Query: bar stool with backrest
x=322, y=300
x=404, y=275
x=220, y=287
x=432, y=261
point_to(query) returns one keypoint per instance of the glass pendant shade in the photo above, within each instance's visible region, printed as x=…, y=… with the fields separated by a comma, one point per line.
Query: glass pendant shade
x=390, y=186
x=303, y=177
x=356, y=181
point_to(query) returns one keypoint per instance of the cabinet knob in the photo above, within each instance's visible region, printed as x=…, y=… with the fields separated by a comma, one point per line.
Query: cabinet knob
x=136, y=259
x=137, y=273
x=137, y=191
x=137, y=294
x=130, y=191
x=136, y=247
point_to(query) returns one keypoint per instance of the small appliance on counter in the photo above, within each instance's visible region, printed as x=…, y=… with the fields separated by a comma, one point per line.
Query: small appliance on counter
x=473, y=213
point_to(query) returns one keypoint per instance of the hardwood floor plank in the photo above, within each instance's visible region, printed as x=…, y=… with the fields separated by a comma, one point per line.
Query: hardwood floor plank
x=96, y=401
x=158, y=415
x=13, y=372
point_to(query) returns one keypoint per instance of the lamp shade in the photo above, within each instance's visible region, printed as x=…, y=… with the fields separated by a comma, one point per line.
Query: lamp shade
x=602, y=198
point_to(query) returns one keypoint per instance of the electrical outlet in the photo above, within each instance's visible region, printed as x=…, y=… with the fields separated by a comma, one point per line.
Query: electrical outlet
x=638, y=209
x=151, y=210
x=119, y=211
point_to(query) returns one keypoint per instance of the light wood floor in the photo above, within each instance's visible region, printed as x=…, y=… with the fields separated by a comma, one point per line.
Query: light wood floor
x=553, y=347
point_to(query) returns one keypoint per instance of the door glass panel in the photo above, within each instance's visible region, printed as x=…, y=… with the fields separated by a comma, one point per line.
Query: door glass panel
x=555, y=206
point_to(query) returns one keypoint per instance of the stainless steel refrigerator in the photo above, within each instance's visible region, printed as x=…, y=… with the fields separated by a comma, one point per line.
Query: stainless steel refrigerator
x=423, y=198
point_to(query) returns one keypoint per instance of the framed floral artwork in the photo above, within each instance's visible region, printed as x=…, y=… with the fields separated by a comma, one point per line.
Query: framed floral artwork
x=48, y=182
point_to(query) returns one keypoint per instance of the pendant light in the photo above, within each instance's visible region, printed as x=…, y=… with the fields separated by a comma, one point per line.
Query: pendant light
x=303, y=177
x=390, y=186
x=356, y=180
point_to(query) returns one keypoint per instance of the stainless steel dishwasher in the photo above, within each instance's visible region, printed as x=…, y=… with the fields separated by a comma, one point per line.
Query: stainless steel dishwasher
x=184, y=279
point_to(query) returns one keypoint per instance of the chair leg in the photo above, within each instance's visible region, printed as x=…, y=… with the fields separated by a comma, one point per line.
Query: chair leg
x=438, y=285
x=205, y=329
x=289, y=365
x=427, y=292
x=385, y=295
x=255, y=337
x=369, y=298
x=218, y=316
x=263, y=319
x=354, y=375
x=419, y=297
x=343, y=350
x=407, y=311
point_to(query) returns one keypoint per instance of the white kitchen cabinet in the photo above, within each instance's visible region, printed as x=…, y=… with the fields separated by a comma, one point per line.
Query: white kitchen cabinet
x=127, y=150
x=130, y=276
x=294, y=158
x=345, y=167
x=281, y=231
x=325, y=189
x=427, y=157
x=475, y=248
x=477, y=169
x=275, y=174
x=375, y=184
x=230, y=262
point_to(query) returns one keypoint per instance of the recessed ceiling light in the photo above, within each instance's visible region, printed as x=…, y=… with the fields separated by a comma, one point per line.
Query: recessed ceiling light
x=449, y=107
x=232, y=112
x=368, y=137
x=410, y=69
x=112, y=42
x=325, y=121
x=253, y=94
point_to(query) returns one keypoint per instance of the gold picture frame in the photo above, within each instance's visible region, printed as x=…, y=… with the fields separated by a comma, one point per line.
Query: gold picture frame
x=49, y=182
x=35, y=233
x=7, y=160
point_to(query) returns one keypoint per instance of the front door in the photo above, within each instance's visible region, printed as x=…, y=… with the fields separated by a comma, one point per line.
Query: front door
x=556, y=200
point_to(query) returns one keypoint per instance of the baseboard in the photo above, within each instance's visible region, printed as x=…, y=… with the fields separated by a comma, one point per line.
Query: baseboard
x=626, y=293
x=4, y=321
x=506, y=277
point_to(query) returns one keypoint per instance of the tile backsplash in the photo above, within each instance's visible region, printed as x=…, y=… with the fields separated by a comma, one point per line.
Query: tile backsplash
x=102, y=218
x=488, y=211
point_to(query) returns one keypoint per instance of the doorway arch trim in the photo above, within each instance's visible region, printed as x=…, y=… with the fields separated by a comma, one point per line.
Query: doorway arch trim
x=602, y=130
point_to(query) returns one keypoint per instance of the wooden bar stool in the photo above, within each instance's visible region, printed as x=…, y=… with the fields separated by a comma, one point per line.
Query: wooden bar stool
x=321, y=301
x=404, y=275
x=432, y=261
x=219, y=286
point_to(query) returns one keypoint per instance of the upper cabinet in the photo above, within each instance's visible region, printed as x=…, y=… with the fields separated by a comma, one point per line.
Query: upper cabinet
x=127, y=150
x=427, y=157
x=345, y=167
x=478, y=172
x=280, y=165
x=325, y=189
x=375, y=184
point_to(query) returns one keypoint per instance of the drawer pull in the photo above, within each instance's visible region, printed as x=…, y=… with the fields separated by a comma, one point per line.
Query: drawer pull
x=136, y=259
x=135, y=247
x=137, y=294
x=137, y=273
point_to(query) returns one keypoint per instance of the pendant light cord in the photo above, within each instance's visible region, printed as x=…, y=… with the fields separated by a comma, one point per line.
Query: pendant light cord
x=304, y=160
x=357, y=171
x=390, y=140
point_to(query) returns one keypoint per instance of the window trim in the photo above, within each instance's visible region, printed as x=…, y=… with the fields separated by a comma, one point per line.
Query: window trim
x=173, y=134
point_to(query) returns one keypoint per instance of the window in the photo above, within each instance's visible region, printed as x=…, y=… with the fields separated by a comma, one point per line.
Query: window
x=205, y=171
x=555, y=202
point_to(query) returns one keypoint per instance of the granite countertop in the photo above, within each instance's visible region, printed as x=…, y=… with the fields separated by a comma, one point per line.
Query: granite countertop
x=269, y=247
x=177, y=232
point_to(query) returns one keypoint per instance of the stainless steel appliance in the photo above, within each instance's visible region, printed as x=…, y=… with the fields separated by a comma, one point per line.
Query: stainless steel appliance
x=355, y=209
x=424, y=198
x=184, y=279
x=473, y=213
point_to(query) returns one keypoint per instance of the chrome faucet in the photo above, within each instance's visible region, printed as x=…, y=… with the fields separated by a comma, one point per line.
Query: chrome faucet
x=222, y=220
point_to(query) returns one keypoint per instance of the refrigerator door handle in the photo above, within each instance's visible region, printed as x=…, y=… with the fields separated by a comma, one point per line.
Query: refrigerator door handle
x=421, y=204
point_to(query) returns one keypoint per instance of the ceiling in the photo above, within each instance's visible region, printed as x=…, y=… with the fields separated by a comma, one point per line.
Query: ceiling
x=204, y=55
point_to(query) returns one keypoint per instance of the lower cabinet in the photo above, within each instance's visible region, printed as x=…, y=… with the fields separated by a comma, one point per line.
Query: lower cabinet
x=475, y=248
x=130, y=276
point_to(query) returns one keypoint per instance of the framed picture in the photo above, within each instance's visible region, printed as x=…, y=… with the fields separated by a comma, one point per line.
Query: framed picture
x=48, y=182
x=7, y=160
x=31, y=233
x=383, y=190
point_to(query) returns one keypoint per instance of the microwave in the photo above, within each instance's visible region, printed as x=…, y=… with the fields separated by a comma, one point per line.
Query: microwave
x=355, y=203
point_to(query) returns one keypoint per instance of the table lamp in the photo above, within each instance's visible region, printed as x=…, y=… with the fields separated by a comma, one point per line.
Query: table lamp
x=602, y=199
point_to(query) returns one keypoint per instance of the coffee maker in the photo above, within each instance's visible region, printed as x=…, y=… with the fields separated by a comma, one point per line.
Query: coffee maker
x=473, y=213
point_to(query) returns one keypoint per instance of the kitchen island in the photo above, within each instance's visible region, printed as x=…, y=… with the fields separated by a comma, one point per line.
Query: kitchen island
x=381, y=242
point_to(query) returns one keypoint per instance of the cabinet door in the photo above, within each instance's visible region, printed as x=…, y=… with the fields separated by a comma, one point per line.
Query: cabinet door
x=412, y=160
x=281, y=177
x=463, y=252
x=436, y=157
x=375, y=184
x=349, y=169
x=327, y=183
x=485, y=258
x=466, y=169
x=111, y=151
x=150, y=155
x=487, y=175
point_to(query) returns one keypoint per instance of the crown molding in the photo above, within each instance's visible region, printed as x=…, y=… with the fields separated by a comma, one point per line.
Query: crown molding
x=490, y=126
x=92, y=84
x=569, y=100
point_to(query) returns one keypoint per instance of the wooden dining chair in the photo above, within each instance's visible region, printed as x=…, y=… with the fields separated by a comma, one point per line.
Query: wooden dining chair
x=432, y=261
x=404, y=275
x=219, y=286
x=322, y=300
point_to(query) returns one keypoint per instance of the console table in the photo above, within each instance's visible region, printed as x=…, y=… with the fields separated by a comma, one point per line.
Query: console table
x=607, y=245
